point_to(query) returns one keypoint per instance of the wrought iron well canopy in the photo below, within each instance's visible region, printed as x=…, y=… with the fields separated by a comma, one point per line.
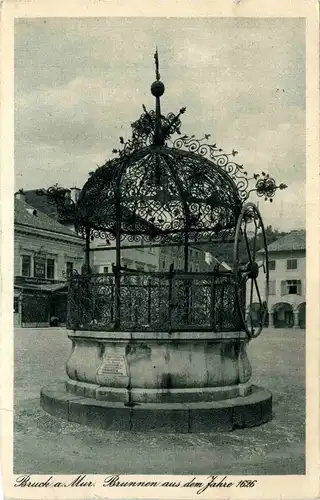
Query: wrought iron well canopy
x=168, y=188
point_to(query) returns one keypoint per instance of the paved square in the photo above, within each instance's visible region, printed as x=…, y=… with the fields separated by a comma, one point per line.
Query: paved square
x=46, y=445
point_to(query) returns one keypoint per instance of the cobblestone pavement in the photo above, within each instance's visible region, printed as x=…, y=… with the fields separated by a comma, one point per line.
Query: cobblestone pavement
x=45, y=445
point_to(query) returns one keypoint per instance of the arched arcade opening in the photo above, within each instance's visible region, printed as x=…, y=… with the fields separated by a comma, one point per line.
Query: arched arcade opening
x=283, y=315
x=302, y=315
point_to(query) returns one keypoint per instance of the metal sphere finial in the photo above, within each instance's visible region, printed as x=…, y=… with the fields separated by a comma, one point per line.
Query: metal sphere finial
x=157, y=88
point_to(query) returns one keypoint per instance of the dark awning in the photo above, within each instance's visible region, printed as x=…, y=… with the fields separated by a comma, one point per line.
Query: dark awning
x=49, y=287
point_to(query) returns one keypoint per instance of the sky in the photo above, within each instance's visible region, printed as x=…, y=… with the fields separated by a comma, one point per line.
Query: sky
x=80, y=83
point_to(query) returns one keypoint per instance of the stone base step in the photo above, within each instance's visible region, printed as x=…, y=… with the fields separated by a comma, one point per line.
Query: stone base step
x=227, y=415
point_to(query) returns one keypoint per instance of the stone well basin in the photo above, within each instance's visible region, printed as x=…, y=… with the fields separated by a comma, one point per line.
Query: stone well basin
x=155, y=367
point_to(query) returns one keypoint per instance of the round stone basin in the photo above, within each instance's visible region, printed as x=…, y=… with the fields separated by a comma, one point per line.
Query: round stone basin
x=155, y=367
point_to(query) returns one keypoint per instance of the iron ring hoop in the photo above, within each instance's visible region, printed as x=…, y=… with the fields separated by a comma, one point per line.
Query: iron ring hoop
x=249, y=274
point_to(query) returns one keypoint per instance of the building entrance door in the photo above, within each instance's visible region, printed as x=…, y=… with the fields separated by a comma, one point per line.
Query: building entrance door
x=59, y=309
x=35, y=310
x=288, y=318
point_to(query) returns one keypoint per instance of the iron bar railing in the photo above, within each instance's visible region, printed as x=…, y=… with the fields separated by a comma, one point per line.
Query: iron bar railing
x=168, y=301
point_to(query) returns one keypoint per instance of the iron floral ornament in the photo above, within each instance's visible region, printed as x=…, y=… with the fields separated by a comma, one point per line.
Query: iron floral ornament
x=143, y=135
x=61, y=198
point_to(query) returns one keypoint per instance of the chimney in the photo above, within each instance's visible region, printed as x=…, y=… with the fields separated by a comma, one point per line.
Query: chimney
x=75, y=193
x=20, y=195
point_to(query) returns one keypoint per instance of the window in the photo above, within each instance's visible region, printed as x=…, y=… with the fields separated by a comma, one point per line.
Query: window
x=106, y=269
x=163, y=264
x=272, y=265
x=69, y=268
x=50, y=269
x=26, y=265
x=294, y=287
x=292, y=264
x=291, y=287
x=272, y=288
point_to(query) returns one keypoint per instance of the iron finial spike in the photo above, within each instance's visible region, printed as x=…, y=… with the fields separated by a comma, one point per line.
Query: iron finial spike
x=156, y=58
x=157, y=90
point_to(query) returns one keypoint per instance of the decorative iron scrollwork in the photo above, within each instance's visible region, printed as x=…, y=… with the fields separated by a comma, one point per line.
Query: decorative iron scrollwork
x=265, y=185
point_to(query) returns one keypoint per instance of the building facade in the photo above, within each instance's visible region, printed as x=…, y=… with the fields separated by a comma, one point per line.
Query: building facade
x=141, y=256
x=45, y=252
x=135, y=255
x=287, y=282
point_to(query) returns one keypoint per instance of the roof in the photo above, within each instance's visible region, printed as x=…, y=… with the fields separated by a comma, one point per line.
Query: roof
x=41, y=202
x=296, y=240
x=23, y=214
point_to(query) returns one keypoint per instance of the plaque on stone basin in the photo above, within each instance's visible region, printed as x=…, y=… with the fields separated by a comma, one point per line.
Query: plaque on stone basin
x=114, y=365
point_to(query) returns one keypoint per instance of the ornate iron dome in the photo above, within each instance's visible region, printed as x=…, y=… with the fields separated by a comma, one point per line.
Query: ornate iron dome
x=163, y=189
x=167, y=190
x=166, y=187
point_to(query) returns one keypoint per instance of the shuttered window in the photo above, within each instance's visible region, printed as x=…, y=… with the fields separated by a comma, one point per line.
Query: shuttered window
x=272, y=265
x=50, y=269
x=292, y=264
x=26, y=265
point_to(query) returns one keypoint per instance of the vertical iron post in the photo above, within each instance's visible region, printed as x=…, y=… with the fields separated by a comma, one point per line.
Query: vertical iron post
x=213, y=300
x=170, y=304
x=186, y=268
x=85, y=308
x=87, y=251
x=149, y=301
x=117, y=274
